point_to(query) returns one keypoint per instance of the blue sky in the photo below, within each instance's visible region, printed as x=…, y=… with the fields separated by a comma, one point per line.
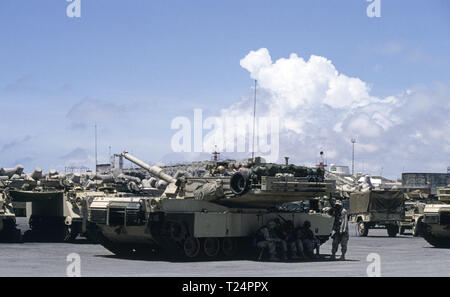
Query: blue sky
x=145, y=62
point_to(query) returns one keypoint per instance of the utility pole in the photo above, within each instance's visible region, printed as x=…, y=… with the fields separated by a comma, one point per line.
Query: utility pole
x=254, y=120
x=353, y=140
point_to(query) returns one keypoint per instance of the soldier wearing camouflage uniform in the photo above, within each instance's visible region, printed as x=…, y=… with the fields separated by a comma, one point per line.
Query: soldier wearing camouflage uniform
x=267, y=238
x=340, y=230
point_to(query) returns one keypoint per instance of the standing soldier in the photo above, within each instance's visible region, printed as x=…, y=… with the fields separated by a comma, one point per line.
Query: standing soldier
x=340, y=230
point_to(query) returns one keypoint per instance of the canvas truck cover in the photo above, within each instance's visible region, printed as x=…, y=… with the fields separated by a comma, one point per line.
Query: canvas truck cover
x=376, y=201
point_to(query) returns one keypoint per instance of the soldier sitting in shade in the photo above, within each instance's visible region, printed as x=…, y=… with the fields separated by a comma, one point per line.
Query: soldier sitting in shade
x=267, y=238
x=310, y=242
x=293, y=241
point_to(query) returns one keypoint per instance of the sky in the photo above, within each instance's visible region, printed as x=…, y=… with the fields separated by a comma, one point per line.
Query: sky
x=325, y=70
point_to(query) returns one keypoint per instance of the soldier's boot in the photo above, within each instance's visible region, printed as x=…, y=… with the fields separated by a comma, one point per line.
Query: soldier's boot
x=333, y=257
x=342, y=257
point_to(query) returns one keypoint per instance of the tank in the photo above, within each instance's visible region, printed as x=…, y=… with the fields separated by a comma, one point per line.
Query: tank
x=8, y=229
x=212, y=216
x=435, y=227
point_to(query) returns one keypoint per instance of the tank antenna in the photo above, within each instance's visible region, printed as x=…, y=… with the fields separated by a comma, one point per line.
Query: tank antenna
x=254, y=122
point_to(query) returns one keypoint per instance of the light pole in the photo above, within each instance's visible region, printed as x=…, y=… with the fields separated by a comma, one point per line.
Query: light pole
x=353, y=140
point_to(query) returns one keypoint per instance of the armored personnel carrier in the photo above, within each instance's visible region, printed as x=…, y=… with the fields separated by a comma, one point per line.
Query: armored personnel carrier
x=8, y=230
x=435, y=227
x=210, y=216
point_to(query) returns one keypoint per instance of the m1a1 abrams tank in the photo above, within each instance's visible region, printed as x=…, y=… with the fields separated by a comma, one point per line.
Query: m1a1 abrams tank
x=208, y=216
x=435, y=227
x=8, y=230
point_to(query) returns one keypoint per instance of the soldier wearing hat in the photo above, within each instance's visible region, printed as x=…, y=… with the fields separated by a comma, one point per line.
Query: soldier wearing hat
x=340, y=230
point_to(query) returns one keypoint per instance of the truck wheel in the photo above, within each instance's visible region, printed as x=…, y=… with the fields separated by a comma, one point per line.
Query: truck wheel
x=363, y=229
x=211, y=246
x=414, y=230
x=191, y=247
x=392, y=230
x=417, y=228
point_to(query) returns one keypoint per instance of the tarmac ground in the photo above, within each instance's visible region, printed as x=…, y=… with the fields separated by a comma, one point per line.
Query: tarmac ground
x=400, y=256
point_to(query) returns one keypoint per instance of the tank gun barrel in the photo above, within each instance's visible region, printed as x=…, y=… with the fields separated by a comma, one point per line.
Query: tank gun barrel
x=154, y=170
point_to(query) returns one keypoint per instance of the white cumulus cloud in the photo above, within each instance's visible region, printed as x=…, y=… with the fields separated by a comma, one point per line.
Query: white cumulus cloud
x=320, y=108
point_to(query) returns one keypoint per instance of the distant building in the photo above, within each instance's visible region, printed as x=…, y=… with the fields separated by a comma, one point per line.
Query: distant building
x=339, y=169
x=427, y=182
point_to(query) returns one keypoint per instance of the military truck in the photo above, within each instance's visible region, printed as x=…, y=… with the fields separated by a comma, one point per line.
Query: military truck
x=8, y=229
x=210, y=216
x=375, y=209
x=435, y=227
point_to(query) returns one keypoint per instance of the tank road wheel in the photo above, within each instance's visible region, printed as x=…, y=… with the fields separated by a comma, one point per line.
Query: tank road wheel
x=229, y=247
x=363, y=229
x=392, y=230
x=211, y=246
x=191, y=247
x=177, y=231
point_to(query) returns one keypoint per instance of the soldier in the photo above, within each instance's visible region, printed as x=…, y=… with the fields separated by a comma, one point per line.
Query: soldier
x=310, y=241
x=294, y=244
x=267, y=238
x=340, y=230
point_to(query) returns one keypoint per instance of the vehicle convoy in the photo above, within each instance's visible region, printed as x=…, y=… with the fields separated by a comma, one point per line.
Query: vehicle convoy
x=435, y=227
x=8, y=230
x=375, y=209
x=210, y=216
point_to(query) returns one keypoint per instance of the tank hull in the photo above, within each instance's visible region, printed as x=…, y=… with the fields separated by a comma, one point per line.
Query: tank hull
x=435, y=228
x=175, y=222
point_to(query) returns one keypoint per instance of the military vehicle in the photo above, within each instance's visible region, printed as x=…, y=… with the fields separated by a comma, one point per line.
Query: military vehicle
x=435, y=227
x=375, y=209
x=8, y=229
x=413, y=216
x=209, y=216
x=55, y=211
